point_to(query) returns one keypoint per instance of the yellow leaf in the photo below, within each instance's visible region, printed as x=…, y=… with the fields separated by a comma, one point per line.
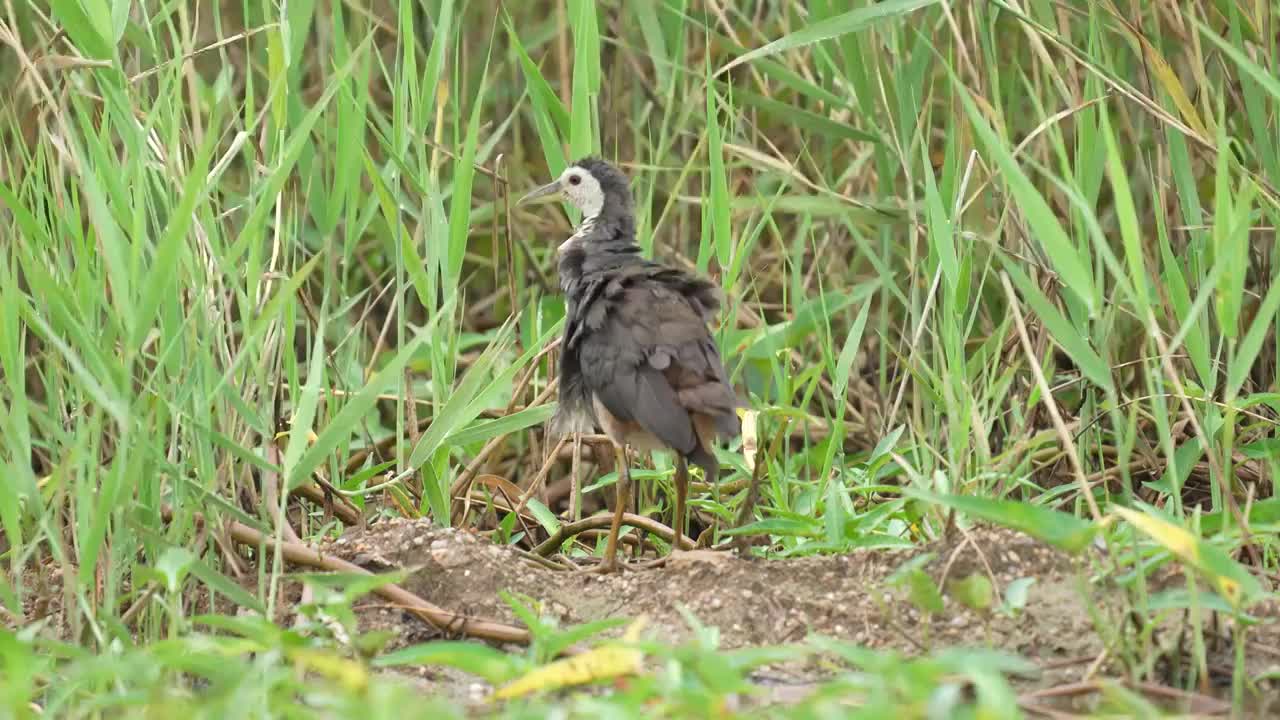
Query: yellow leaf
x=607, y=662
x=311, y=436
x=350, y=674
x=632, y=633
x=1185, y=546
x=1230, y=590
x=1173, y=86
x=1175, y=539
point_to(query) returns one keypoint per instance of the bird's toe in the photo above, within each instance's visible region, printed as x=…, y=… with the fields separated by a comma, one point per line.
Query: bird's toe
x=605, y=567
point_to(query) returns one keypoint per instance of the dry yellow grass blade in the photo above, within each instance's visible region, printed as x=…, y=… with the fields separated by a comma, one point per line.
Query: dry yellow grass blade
x=1169, y=80
x=1165, y=75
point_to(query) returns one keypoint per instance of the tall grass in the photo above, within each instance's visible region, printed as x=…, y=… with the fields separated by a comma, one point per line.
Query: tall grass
x=248, y=243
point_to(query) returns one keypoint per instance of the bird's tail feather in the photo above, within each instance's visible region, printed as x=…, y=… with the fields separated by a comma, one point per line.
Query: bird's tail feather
x=570, y=417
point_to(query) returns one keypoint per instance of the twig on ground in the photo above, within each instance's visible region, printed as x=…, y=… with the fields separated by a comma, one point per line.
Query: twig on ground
x=342, y=508
x=603, y=520
x=444, y=620
x=1196, y=703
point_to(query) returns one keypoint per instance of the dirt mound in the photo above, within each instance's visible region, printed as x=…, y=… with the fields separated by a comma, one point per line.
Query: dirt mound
x=760, y=602
x=753, y=602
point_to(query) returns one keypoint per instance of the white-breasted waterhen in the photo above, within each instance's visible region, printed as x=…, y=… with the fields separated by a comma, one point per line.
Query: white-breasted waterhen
x=637, y=359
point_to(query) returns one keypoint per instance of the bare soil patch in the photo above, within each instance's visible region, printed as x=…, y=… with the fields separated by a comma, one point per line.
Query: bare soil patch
x=761, y=602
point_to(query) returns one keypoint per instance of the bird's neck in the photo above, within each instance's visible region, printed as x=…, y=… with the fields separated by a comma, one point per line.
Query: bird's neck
x=604, y=232
x=614, y=223
x=604, y=240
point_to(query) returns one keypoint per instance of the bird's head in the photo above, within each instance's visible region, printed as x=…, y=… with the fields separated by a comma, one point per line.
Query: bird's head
x=592, y=185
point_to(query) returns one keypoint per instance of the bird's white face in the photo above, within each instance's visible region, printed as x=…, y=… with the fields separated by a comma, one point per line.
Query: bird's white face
x=582, y=190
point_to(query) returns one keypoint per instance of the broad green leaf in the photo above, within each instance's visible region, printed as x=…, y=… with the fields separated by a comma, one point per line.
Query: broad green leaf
x=586, y=79
x=173, y=566
x=515, y=422
x=88, y=23
x=974, y=591
x=849, y=353
x=544, y=516
x=607, y=662
x=551, y=119
x=1261, y=513
x=923, y=592
x=568, y=637
x=1059, y=529
x=721, y=229
x=646, y=14
x=225, y=586
x=777, y=526
x=1015, y=595
x=471, y=657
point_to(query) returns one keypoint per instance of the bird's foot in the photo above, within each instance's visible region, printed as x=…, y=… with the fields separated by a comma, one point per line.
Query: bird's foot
x=605, y=567
x=674, y=555
x=617, y=566
x=653, y=564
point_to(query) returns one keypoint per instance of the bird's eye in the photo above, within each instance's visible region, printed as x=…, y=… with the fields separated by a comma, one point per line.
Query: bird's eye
x=575, y=179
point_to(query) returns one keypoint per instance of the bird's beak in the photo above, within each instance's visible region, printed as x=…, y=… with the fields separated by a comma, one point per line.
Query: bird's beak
x=549, y=190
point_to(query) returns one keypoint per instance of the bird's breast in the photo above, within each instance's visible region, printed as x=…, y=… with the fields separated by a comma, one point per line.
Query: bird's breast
x=569, y=245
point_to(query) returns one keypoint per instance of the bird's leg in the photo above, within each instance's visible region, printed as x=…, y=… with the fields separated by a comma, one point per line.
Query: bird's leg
x=575, y=480
x=620, y=494
x=636, y=498
x=682, y=490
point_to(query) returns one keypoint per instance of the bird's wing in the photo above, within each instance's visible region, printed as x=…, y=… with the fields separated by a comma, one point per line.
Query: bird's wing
x=647, y=355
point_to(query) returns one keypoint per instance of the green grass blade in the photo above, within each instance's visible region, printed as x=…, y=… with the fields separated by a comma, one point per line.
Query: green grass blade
x=832, y=27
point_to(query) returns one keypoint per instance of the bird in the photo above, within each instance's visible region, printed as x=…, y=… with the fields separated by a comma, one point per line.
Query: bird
x=637, y=359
